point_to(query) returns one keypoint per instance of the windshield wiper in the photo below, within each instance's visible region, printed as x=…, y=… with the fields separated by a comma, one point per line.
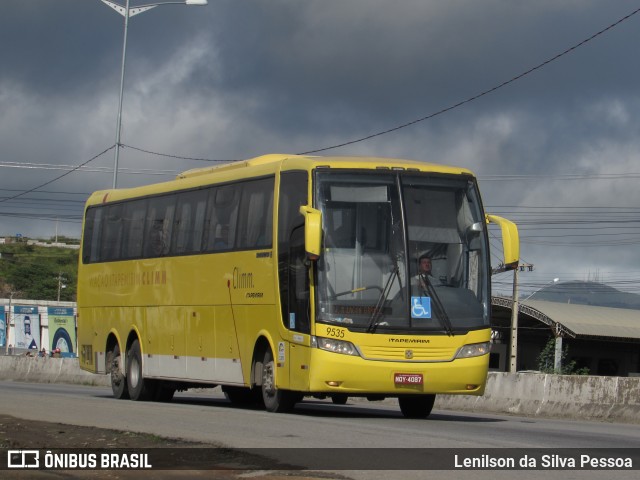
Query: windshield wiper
x=376, y=315
x=438, y=308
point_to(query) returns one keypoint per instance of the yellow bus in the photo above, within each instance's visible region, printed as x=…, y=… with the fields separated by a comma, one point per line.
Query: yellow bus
x=288, y=276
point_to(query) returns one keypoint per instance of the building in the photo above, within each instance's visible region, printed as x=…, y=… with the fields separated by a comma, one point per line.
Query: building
x=605, y=340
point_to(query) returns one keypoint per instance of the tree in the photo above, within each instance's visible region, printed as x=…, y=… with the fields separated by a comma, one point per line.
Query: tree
x=546, y=361
x=36, y=272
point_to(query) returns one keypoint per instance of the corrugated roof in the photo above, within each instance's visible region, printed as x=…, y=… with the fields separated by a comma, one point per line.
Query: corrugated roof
x=591, y=321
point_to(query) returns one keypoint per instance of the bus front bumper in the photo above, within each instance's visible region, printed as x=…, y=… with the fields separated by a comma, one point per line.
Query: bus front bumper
x=335, y=373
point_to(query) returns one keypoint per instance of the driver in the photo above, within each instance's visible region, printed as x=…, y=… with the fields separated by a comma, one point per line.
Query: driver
x=424, y=272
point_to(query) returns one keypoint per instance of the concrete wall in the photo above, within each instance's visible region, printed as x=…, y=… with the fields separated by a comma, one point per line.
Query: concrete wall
x=615, y=399
x=47, y=370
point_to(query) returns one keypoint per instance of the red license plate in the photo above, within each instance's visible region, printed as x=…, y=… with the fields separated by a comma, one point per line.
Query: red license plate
x=408, y=379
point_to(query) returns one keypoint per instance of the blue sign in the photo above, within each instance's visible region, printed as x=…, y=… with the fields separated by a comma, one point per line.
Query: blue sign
x=3, y=329
x=420, y=307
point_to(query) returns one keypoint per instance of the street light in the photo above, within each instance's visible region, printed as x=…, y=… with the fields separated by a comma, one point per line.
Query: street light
x=552, y=282
x=128, y=12
x=513, y=363
x=60, y=284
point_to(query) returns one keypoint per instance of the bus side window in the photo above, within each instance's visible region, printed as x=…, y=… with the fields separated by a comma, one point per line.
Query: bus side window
x=293, y=274
x=158, y=227
x=299, y=283
x=221, y=217
x=112, y=237
x=189, y=222
x=134, y=215
x=92, y=235
x=256, y=214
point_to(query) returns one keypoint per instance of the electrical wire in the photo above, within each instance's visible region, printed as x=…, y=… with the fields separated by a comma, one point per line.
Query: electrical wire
x=71, y=168
x=175, y=156
x=483, y=93
x=450, y=108
x=57, y=178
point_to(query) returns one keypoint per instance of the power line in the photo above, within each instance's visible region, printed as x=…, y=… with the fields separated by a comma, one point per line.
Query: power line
x=561, y=176
x=450, y=108
x=57, y=178
x=485, y=92
x=390, y=130
x=70, y=168
x=49, y=218
x=176, y=156
x=46, y=191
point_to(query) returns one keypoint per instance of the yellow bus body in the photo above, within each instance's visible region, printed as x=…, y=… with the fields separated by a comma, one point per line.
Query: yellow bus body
x=199, y=319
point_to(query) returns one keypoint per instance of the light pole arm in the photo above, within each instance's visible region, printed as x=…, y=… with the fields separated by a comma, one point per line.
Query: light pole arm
x=128, y=12
x=143, y=8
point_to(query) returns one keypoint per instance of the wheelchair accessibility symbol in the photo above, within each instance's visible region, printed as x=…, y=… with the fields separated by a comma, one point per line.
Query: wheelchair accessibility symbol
x=420, y=307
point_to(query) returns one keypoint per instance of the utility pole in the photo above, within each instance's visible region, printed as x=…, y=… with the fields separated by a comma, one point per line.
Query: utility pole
x=60, y=285
x=513, y=364
x=514, y=325
x=6, y=346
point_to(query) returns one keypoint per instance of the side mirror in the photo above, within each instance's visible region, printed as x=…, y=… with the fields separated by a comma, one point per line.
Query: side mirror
x=510, y=240
x=474, y=229
x=312, y=231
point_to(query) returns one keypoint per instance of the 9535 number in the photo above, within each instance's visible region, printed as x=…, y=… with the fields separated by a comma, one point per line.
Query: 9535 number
x=335, y=332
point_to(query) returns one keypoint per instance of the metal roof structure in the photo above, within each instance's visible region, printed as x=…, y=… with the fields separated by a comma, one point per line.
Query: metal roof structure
x=579, y=321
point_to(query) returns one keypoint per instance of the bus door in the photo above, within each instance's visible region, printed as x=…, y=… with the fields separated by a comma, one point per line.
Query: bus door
x=294, y=278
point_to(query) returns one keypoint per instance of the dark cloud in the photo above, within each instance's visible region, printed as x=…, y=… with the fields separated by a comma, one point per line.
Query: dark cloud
x=241, y=78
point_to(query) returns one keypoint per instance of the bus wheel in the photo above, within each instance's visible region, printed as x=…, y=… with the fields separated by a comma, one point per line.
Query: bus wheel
x=416, y=406
x=164, y=391
x=275, y=400
x=118, y=380
x=339, y=398
x=242, y=395
x=139, y=388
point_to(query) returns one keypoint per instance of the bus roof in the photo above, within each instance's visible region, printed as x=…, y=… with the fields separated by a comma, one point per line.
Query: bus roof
x=269, y=164
x=309, y=162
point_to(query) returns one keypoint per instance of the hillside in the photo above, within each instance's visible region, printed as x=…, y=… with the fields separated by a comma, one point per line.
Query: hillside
x=34, y=272
x=588, y=293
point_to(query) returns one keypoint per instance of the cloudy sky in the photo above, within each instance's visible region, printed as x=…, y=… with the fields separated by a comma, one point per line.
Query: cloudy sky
x=557, y=150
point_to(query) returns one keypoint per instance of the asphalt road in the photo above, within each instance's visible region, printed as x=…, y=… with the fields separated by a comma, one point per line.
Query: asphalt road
x=206, y=416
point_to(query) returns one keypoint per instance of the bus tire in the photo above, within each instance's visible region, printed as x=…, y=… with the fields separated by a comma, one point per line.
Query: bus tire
x=118, y=380
x=164, y=391
x=275, y=400
x=416, y=406
x=139, y=388
x=242, y=395
x=340, y=398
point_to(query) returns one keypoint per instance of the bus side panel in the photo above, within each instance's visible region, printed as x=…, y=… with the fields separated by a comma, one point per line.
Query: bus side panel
x=94, y=327
x=91, y=343
x=228, y=361
x=250, y=322
x=299, y=361
x=252, y=297
x=165, y=335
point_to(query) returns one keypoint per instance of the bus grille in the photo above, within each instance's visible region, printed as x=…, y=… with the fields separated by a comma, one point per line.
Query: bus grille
x=408, y=353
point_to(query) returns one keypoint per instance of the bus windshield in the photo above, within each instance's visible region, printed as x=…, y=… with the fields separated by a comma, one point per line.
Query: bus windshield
x=402, y=252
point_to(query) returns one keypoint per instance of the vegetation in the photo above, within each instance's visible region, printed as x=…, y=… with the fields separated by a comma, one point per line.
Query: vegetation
x=38, y=273
x=63, y=239
x=546, y=361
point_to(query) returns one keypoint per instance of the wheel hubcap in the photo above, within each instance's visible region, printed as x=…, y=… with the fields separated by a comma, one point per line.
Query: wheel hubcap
x=134, y=373
x=116, y=373
x=268, y=380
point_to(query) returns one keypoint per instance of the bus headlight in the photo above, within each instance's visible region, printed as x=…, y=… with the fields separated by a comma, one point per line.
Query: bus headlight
x=335, y=346
x=473, y=350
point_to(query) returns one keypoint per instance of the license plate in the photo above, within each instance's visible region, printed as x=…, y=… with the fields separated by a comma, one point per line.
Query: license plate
x=408, y=379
